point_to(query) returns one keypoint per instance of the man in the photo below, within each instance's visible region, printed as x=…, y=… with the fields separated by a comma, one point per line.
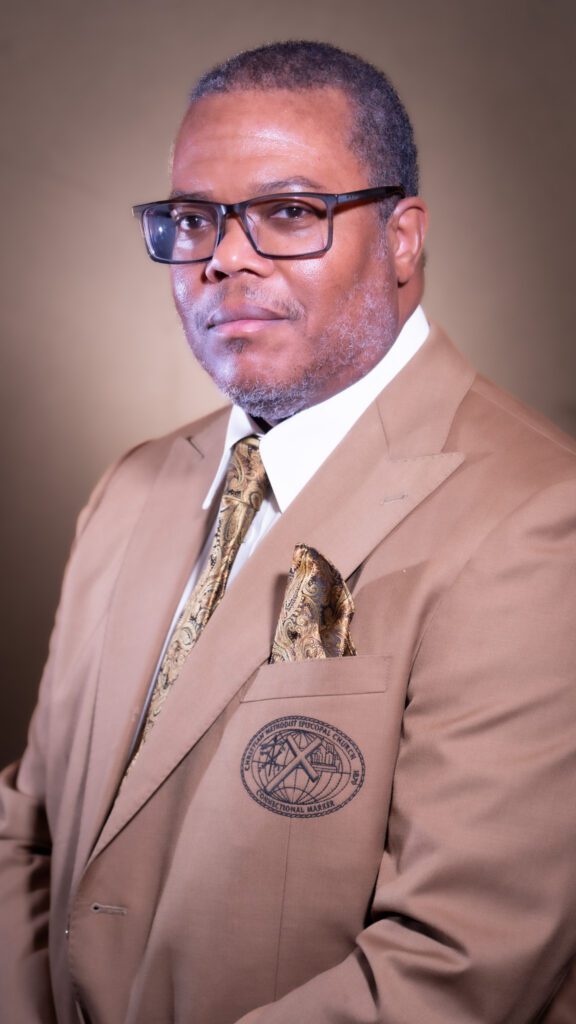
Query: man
x=309, y=756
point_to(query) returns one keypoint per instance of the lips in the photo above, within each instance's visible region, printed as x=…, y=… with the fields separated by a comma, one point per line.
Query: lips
x=226, y=314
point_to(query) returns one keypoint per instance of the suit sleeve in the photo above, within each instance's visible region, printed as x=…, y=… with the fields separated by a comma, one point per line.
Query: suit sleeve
x=474, y=912
x=25, y=857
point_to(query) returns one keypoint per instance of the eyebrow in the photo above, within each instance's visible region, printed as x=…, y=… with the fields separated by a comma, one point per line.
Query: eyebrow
x=286, y=184
x=259, y=188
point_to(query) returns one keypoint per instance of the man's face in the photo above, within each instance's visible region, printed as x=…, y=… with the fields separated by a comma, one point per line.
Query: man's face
x=280, y=335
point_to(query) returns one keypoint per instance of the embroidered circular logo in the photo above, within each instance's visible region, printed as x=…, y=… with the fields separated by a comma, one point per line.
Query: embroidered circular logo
x=302, y=768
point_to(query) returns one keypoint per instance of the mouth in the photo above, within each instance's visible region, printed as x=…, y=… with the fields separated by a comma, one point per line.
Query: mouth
x=245, y=317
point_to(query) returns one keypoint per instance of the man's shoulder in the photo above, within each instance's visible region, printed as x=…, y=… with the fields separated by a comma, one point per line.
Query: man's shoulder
x=125, y=486
x=510, y=453
x=202, y=434
x=522, y=441
x=508, y=415
x=514, y=458
x=208, y=428
x=439, y=402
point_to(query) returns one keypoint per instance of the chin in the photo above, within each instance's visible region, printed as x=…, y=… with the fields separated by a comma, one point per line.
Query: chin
x=269, y=401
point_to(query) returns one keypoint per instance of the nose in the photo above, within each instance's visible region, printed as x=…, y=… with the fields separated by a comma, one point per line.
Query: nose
x=235, y=254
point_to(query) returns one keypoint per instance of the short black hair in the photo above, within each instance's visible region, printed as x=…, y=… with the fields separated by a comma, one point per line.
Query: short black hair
x=382, y=136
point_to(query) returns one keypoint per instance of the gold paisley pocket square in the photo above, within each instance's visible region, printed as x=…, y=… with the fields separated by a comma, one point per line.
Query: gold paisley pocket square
x=316, y=612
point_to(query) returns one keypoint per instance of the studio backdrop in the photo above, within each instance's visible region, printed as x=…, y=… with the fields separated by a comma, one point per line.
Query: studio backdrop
x=93, y=358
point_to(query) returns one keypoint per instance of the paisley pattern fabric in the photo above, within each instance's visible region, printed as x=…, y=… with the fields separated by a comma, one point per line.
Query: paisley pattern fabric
x=244, y=489
x=317, y=611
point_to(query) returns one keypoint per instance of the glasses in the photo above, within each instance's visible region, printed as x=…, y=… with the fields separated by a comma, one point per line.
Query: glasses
x=283, y=226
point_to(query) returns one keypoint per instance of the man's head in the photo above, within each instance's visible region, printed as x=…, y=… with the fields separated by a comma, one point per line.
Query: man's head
x=380, y=132
x=278, y=335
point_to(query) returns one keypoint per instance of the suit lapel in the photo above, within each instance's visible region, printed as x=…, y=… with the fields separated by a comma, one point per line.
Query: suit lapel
x=356, y=498
x=165, y=545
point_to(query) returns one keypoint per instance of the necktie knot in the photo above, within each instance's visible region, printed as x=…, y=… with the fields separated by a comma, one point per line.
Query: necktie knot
x=246, y=480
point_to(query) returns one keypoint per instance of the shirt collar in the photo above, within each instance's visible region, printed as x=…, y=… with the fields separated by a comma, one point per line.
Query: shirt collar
x=295, y=449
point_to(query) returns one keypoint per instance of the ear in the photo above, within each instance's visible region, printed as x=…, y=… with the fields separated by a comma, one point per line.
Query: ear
x=406, y=228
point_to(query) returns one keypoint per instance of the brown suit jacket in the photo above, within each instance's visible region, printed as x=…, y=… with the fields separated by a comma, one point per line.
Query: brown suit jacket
x=440, y=885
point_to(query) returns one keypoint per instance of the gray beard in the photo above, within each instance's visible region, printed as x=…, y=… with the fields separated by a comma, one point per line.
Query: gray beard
x=354, y=344
x=360, y=345
x=272, y=402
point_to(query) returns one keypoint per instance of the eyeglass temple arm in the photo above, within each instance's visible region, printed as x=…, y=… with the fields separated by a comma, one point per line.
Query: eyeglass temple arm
x=380, y=192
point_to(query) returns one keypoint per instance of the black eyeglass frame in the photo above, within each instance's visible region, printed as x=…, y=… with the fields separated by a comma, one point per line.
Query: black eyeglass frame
x=224, y=210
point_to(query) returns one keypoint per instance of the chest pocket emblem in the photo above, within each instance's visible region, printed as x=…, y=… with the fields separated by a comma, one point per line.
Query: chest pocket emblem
x=302, y=768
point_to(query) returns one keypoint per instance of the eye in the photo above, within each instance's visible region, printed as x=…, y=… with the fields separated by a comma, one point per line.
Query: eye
x=191, y=222
x=293, y=212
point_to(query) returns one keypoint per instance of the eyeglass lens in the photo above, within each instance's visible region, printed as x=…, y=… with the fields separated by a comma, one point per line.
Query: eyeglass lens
x=181, y=232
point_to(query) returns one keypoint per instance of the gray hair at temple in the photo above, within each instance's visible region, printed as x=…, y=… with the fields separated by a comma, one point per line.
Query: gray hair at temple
x=382, y=136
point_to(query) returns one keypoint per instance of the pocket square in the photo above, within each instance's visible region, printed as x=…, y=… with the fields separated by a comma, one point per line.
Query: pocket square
x=316, y=611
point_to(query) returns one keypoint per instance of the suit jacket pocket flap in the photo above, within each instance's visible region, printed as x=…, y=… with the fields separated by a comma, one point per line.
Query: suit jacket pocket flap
x=319, y=677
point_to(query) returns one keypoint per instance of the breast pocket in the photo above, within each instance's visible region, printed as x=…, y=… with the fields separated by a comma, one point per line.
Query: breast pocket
x=319, y=677
x=316, y=731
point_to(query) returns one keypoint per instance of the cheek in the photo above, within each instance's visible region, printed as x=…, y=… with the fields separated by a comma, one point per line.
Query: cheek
x=178, y=284
x=185, y=289
x=354, y=258
x=319, y=286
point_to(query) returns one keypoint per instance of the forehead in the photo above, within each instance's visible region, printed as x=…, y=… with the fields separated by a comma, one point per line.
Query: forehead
x=250, y=139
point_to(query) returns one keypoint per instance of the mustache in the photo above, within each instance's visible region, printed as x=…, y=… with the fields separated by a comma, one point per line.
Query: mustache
x=203, y=310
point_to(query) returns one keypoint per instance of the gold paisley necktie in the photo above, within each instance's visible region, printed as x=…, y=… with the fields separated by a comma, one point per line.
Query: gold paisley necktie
x=245, y=486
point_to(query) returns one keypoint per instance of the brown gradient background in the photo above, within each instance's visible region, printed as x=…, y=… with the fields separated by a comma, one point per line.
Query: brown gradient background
x=93, y=359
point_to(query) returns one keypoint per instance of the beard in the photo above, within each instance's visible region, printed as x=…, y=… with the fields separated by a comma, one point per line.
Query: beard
x=346, y=346
x=272, y=402
x=362, y=329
